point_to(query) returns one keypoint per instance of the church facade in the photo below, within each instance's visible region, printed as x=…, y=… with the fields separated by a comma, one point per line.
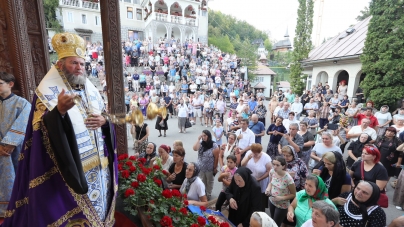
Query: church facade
x=140, y=19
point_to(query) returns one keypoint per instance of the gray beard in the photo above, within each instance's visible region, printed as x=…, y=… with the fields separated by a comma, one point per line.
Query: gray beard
x=73, y=79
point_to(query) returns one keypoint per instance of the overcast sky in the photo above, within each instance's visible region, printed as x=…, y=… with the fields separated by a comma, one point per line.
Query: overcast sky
x=277, y=15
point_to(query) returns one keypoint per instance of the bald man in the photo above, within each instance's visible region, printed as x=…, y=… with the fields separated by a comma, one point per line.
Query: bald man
x=257, y=127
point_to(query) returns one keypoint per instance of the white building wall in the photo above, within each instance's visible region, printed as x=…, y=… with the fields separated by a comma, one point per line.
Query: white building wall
x=203, y=26
x=266, y=81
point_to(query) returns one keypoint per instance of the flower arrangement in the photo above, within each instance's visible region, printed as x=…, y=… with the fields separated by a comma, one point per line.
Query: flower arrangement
x=141, y=186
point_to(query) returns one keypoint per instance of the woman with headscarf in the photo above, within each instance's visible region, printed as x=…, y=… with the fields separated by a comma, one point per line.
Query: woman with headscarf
x=355, y=149
x=389, y=155
x=359, y=208
x=150, y=153
x=295, y=167
x=332, y=170
x=208, y=158
x=384, y=118
x=244, y=197
x=193, y=187
x=164, y=157
x=261, y=219
x=301, y=207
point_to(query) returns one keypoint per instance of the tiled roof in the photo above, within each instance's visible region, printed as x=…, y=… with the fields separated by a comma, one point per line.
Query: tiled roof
x=350, y=45
x=282, y=44
x=259, y=86
x=264, y=70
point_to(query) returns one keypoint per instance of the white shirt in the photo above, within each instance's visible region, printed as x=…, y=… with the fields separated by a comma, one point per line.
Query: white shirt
x=308, y=223
x=196, y=190
x=297, y=107
x=182, y=110
x=248, y=138
x=357, y=129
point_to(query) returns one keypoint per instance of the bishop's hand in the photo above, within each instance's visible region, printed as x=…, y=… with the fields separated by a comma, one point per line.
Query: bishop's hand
x=65, y=102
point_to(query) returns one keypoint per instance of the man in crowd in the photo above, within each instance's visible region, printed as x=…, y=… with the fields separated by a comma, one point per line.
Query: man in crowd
x=357, y=130
x=297, y=108
x=367, y=115
x=71, y=176
x=257, y=127
x=284, y=112
x=197, y=104
x=13, y=122
x=311, y=106
x=292, y=138
x=245, y=137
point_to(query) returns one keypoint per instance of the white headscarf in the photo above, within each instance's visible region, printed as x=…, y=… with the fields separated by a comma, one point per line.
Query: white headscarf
x=266, y=220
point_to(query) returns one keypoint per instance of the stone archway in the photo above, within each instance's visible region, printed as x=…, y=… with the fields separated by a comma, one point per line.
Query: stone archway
x=176, y=33
x=189, y=34
x=322, y=77
x=340, y=76
x=161, y=31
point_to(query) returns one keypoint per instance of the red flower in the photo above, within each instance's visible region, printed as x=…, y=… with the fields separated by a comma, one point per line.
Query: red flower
x=167, y=194
x=132, y=158
x=213, y=220
x=129, y=163
x=156, y=167
x=166, y=221
x=158, y=182
x=151, y=201
x=176, y=193
x=185, y=196
x=132, y=169
x=173, y=209
x=142, y=160
x=125, y=174
x=184, y=211
x=122, y=157
x=119, y=167
x=165, y=172
x=201, y=221
x=140, y=165
x=224, y=224
x=146, y=171
x=202, y=208
x=129, y=192
x=186, y=202
x=194, y=225
x=141, y=178
x=135, y=184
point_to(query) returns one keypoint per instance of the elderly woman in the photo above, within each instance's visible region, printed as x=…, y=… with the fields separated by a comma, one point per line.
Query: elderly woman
x=321, y=148
x=360, y=208
x=177, y=169
x=369, y=168
x=323, y=215
x=150, y=153
x=387, y=145
x=332, y=170
x=312, y=122
x=295, y=167
x=164, y=157
x=233, y=105
x=261, y=112
x=355, y=149
x=384, y=118
x=228, y=149
x=208, y=158
x=193, y=186
x=261, y=219
x=260, y=164
x=334, y=102
x=301, y=207
x=276, y=132
x=244, y=197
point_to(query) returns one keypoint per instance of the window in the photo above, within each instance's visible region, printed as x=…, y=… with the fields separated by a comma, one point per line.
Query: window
x=259, y=79
x=136, y=2
x=97, y=20
x=83, y=18
x=139, y=14
x=129, y=13
x=69, y=16
x=128, y=1
x=204, y=13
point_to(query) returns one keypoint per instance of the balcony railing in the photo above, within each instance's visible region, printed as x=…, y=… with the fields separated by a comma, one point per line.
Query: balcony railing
x=80, y=4
x=190, y=21
x=161, y=16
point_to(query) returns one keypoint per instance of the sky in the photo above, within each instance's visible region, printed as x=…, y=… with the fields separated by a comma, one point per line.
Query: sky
x=278, y=15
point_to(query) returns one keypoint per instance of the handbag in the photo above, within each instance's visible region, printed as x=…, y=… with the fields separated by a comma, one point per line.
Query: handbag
x=188, y=123
x=383, y=199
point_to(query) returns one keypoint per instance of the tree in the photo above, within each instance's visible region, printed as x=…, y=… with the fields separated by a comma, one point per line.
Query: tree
x=365, y=13
x=249, y=57
x=50, y=7
x=268, y=45
x=223, y=43
x=302, y=44
x=383, y=54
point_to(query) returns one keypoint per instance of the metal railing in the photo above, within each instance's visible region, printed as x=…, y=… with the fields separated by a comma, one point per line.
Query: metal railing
x=81, y=4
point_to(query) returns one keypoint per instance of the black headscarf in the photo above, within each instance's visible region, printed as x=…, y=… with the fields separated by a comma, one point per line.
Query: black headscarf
x=338, y=175
x=372, y=201
x=194, y=176
x=149, y=157
x=208, y=144
x=357, y=147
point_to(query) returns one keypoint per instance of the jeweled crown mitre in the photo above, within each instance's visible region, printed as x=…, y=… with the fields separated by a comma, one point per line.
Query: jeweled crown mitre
x=68, y=45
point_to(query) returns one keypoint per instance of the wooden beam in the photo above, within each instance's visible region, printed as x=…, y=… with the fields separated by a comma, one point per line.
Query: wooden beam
x=111, y=34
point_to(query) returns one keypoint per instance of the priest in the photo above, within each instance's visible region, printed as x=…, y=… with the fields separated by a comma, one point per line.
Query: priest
x=67, y=170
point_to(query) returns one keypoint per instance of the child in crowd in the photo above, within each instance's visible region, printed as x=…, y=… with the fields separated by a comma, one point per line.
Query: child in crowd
x=218, y=132
x=227, y=173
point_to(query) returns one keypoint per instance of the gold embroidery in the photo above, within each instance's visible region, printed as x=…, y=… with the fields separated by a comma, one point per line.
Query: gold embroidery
x=40, y=109
x=21, y=202
x=20, y=156
x=65, y=217
x=28, y=144
x=9, y=213
x=94, y=162
x=39, y=180
x=78, y=223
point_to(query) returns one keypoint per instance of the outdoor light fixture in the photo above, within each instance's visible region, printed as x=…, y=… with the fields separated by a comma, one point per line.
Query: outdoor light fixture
x=335, y=62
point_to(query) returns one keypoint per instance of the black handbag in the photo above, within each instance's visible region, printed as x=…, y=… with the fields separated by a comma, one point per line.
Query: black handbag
x=188, y=123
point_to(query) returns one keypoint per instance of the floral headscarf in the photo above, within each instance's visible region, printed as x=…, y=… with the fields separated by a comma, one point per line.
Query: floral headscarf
x=320, y=194
x=193, y=178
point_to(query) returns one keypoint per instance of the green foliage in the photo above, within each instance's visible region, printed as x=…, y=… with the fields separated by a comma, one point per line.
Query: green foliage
x=249, y=57
x=302, y=44
x=282, y=58
x=50, y=7
x=222, y=42
x=268, y=44
x=365, y=13
x=383, y=55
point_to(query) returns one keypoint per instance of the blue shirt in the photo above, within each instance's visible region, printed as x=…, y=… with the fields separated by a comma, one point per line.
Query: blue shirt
x=257, y=128
x=275, y=139
x=142, y=78
x=252, y=105
x=135, y=76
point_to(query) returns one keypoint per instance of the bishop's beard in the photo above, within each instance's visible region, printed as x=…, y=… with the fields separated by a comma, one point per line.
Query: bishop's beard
x=74, y=79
